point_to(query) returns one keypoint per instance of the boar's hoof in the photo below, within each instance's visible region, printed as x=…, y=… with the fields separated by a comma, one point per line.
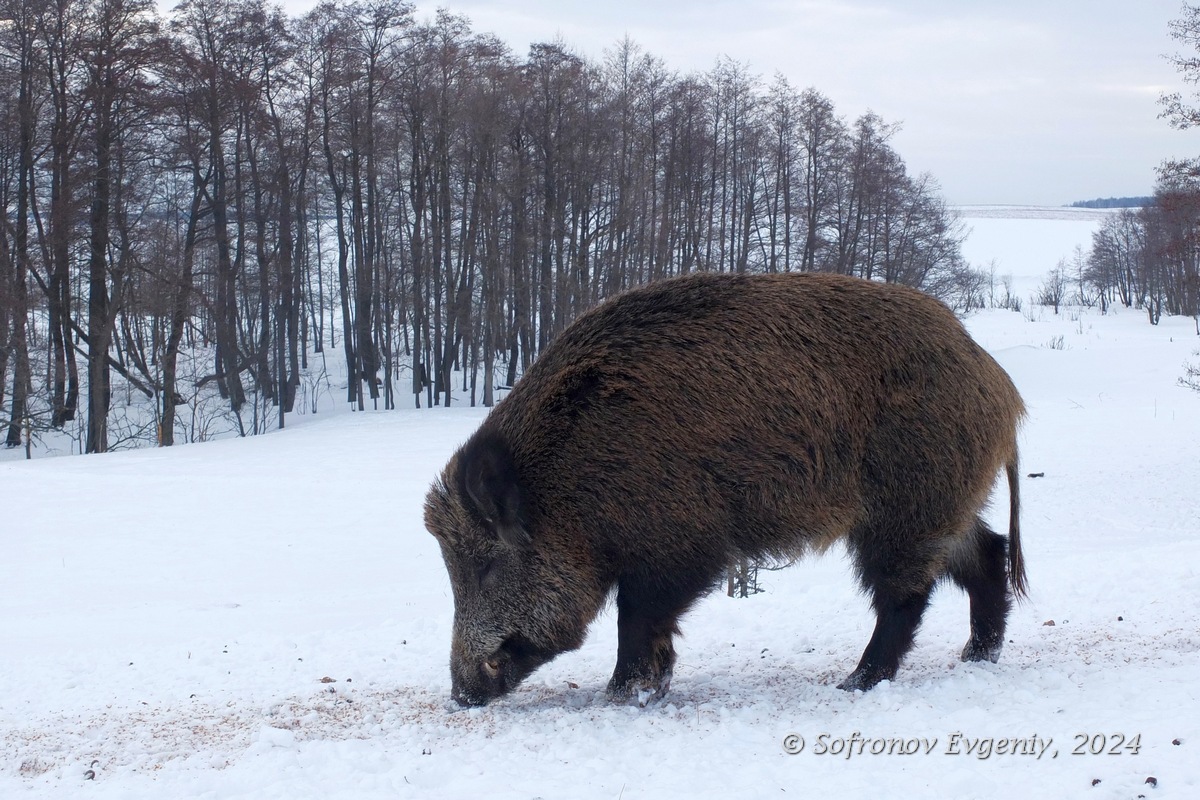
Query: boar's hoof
x=978, y=651
x=862, y=679
x=648, y=695
x=643, y=691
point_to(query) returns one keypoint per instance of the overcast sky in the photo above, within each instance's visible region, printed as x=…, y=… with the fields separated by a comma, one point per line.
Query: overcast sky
x=1004, y=101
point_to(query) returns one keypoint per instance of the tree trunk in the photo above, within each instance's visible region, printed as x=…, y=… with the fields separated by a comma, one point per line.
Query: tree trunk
x=179, y=316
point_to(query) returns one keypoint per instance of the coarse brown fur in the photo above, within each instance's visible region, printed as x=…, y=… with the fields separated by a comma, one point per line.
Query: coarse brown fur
x=697, y=420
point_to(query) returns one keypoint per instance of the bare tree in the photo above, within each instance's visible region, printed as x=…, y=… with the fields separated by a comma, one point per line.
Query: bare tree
x=61, y=26
x=1053, y=290
x=118, y=46
x=21, y=51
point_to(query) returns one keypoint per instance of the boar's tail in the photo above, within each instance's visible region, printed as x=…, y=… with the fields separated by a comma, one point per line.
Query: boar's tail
x=1016, y=559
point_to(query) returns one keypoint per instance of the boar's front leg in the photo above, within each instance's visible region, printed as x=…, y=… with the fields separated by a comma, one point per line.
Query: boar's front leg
x=645, y=652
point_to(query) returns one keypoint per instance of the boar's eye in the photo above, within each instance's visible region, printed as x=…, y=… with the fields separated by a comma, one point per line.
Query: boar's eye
x=486, y=570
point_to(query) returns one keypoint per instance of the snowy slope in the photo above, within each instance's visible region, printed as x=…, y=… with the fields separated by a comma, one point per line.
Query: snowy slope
x=268, y=618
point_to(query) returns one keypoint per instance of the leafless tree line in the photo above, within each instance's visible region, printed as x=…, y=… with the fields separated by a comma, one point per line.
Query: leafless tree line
x=1149, y=258
x=229, y=181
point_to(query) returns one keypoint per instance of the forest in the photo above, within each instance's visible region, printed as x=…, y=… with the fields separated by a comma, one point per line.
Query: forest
x=199, y=205
x=1114, y=202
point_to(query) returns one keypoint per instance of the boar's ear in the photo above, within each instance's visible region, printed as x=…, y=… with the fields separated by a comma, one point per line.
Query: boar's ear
x=490, y=479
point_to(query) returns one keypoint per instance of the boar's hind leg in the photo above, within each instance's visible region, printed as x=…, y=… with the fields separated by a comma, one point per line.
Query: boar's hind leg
x=645, y=650
x=900, y=584
x=978, y=566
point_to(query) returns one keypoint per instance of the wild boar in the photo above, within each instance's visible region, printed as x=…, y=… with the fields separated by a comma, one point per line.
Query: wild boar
x=706, y=418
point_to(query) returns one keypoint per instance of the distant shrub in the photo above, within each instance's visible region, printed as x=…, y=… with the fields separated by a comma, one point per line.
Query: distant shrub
x=1053, y=290
x=962, y=287
x=1191, y=375
x=1008, y=300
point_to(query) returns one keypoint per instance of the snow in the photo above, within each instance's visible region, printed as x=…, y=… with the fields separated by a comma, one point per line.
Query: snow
x=1023, y=243
x=267, y=617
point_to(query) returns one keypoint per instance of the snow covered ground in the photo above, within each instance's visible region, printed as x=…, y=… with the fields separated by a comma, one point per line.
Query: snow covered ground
x=268, y=618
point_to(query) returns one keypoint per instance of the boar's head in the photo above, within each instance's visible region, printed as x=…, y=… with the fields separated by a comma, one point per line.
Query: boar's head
x=524, y=591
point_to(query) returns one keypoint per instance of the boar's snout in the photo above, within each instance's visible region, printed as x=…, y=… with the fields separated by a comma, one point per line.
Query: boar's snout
x=467, y=697
x=476, y=681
